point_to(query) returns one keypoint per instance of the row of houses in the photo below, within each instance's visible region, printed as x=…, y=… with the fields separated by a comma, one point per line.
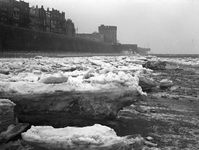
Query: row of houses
x=18, y=13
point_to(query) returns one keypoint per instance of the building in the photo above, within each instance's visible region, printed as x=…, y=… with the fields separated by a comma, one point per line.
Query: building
x=15, y=13
x=48, y=21
x=41, y=14
x=69, y=28
x=51, y=21
x=18, y=13
x=57, y=21
x=93, y=37
x=39, y=19
x=6, y=11
x=33, y=18
x=24, y=13
x=10, y=13
x=109, y=32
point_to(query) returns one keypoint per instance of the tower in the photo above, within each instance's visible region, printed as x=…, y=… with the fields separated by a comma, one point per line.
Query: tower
x=109, y=32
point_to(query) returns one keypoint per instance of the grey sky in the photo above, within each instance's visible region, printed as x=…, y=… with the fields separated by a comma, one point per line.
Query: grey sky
x=166, y=26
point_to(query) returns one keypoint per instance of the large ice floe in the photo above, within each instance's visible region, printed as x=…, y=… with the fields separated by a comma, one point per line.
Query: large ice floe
x=54, y=91
x=96, y=137
x=92, y=73
x=188, y=61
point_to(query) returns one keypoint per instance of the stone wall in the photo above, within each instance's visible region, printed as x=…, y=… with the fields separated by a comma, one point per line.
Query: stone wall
x=93, y=37
x=1, y=29
x=19, y=39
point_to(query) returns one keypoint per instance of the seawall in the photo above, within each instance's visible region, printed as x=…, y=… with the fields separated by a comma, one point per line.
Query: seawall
x=20, y=39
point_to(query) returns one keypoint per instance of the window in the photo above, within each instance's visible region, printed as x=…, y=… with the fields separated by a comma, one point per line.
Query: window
x=16, y=24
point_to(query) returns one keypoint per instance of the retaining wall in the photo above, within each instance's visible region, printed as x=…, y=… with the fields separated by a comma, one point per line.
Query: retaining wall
x=19, y=39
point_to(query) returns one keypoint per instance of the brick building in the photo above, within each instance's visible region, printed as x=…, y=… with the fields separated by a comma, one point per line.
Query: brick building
x=15, y=13
x=51, y=21
x=18, y=13
x=6, y=11
x=33, y=18
x=57, y=21
x=109, y=32
x=69, y=28
x=41, y=18
x=48, y=20
x=24, y=13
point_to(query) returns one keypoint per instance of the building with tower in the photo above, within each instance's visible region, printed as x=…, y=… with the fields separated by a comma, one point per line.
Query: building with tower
x=109, y=32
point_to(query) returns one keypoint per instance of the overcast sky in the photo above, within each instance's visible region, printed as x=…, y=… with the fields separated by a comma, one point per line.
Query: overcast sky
x=166, y=26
